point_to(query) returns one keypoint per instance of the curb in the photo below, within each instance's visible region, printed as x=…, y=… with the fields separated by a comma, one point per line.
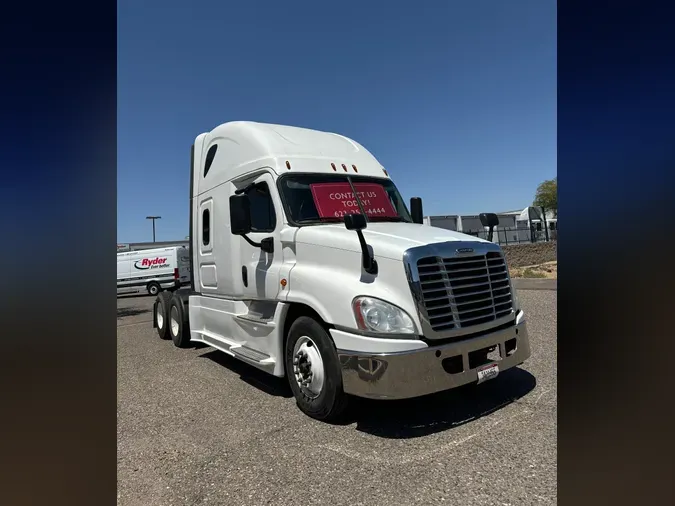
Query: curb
x=535, y=284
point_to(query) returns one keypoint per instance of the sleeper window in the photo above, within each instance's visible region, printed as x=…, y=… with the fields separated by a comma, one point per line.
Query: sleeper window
x=210, y=155
x=263, y=217
x=206, y=227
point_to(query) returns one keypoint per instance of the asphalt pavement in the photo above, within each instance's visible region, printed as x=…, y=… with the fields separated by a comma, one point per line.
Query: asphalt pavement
x=198, y=427
x=535, y=284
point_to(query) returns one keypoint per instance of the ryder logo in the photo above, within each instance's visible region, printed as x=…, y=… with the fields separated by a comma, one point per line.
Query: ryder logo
x=148, y=263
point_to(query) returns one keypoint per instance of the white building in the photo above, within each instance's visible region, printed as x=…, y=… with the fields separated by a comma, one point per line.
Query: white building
x=523, y=225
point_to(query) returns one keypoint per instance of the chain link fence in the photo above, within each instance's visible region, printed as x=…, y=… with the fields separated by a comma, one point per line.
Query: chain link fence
x=519, y=235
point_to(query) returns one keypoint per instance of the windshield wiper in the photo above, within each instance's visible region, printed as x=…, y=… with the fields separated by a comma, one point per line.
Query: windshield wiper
x=358, y=199
x=318, y=220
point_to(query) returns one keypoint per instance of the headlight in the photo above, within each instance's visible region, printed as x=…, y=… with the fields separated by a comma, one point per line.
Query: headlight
x=376, y=315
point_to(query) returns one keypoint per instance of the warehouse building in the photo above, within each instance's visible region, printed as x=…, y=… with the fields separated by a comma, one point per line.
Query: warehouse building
x=137, y=246
x=519, y=226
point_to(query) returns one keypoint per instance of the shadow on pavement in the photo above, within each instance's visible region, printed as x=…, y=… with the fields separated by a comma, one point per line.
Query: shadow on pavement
x=259, y=379
x=408, y=418
x=123, y=312
x=422, y=416
x=141, y=295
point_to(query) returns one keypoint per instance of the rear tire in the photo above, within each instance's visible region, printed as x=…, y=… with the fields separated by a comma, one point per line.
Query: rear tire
x=154, y=288
x=162, y=314
x=179, y=328
x=313, y=371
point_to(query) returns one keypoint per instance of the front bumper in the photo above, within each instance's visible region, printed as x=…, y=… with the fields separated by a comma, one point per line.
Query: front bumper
x=415, y=373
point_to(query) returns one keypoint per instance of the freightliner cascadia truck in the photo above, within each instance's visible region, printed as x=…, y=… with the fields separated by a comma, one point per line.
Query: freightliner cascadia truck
x=307, y=264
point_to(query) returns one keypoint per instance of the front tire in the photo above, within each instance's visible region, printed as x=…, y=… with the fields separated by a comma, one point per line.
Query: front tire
x=313, y=371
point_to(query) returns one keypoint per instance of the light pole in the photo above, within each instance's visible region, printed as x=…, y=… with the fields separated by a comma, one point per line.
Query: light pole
x=153, y=218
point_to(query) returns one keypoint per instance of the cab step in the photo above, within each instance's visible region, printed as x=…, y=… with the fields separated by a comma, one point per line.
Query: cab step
x=256, y=320
x=260, y=312
x=254, y=357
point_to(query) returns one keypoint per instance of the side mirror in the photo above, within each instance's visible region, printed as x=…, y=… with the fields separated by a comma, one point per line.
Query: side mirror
x=489, y=219
x=355, y=221
x=416, y=211
x=240, y=214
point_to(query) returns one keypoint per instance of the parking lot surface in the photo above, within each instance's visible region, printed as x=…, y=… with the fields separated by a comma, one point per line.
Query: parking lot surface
x=196, y=426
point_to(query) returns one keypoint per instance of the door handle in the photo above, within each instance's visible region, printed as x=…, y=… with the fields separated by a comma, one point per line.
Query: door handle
x=244, y=275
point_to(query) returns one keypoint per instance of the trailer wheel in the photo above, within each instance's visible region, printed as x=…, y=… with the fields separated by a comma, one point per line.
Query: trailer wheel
x=154, y=288
x=178, y=324
x=161, y=316
x=313, y=371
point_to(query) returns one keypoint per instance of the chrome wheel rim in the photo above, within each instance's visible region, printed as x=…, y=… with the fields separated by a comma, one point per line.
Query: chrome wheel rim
x=308, y=367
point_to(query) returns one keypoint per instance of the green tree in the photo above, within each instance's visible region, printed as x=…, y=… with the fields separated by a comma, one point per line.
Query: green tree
x=547, y=195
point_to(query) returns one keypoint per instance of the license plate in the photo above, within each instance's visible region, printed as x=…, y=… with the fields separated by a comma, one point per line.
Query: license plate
x=487, y=373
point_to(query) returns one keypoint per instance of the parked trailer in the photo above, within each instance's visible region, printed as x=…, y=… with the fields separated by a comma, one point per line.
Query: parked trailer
x=306, y=263
x=153, y=270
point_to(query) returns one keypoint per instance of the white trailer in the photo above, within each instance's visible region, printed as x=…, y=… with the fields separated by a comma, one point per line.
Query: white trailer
x=153, y=270
x=306, y=263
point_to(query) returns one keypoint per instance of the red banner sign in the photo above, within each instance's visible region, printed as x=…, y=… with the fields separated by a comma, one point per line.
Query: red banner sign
x=334, y=200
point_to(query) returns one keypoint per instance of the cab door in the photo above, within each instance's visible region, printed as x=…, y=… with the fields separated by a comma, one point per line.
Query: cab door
x=183, y=262
x=260, y=270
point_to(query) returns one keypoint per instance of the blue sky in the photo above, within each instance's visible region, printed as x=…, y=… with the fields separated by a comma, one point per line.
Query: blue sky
x=456, y=99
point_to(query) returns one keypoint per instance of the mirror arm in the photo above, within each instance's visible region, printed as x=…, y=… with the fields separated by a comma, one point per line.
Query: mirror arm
x=245, y=188
x=267, y=244
x=252, y=243
x=369, y=263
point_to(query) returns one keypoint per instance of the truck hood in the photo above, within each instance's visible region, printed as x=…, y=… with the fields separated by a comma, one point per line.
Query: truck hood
x=388, y=240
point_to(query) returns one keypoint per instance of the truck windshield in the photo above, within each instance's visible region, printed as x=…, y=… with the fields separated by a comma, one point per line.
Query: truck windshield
x=324, y=198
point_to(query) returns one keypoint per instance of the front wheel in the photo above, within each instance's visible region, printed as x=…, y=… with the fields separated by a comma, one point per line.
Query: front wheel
x=313, y=371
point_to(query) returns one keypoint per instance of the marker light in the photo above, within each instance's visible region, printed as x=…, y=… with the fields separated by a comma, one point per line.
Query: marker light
x=376, y=315
x=355, y=169
x=288, y=165
x=344, y=167
x=333, y=165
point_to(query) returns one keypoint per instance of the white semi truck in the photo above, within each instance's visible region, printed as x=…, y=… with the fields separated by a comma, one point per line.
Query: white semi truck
x=306, y=263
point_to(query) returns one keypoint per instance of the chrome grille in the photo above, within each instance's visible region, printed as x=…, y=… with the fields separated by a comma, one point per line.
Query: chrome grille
x=461, y=292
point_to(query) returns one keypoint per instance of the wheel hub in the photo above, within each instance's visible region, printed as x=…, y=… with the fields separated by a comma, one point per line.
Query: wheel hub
x=308, y=367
